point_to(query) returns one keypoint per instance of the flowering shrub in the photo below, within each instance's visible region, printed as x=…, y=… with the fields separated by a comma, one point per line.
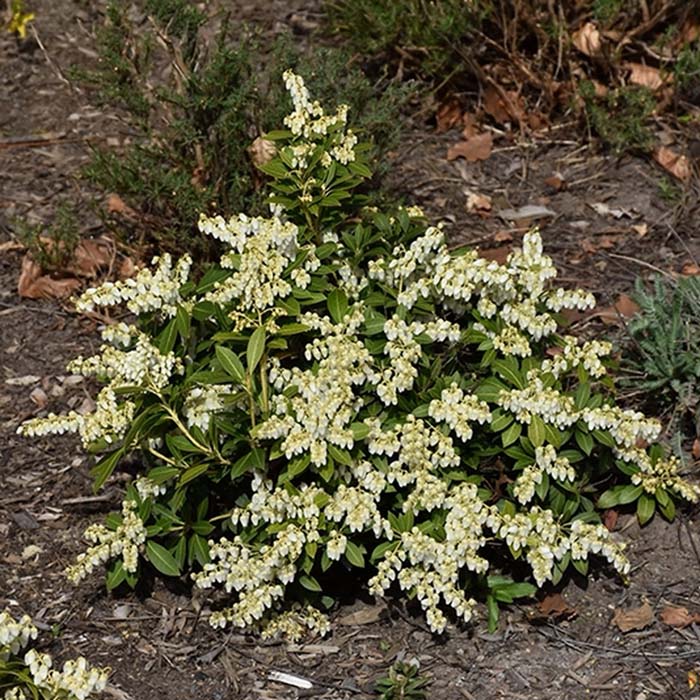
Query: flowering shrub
x=343, y=393
x=27, y=673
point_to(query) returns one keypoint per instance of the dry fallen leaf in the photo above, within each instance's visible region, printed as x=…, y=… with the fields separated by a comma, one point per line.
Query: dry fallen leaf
x=39, y=398
x=503, y=236
x=644, y=75
x=690, y=270
x=610, y=519
x=675, y=163
x=470, y=125
x=554, y=605
x=504, y=106
x=116, y=205
x=640, y=229
x=478, y=203
x=262, y=151
x=33, y=284
x=556, y=182
x=603, y=209
x=473, y=149
x=633, y=618
x=587, y=39
x=364, y=616
x=529, y=211
x=90, y=255
x=678, y=617
x=127, y=268
x=622, y=309
x=449, y=114
x=494, y=105
x=499, y=255
x=696, y=448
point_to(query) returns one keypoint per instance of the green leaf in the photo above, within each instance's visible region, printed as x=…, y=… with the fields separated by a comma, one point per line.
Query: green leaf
x=192, y=473
x=166, y=340
x=298, y=466
x=116, y=575
x=292, y=329
x=275, y=168
x=337, y=305
x=646, y=506
x=668, y=509
x=490, y=389
x=104, y=468
x=359, y=431
x=603, y=437
x=199, y=549
x=161, y=559
x=354, y=555
x=581, y=565
x=536, y=431
x=310, y=583
x=230, y=363
x=183, y=321
x=493, y=610
x=508, y=370
x=583, y=393
x=339, y=455
x=501, y=420
x=255, y=349
x=179, y=552
x=509, y=436
x=584, y=441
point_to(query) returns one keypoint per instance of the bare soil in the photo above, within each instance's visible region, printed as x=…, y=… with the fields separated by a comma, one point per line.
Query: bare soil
x=157, y=640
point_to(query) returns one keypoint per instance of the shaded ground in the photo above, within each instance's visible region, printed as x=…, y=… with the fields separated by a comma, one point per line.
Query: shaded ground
x=157, y=640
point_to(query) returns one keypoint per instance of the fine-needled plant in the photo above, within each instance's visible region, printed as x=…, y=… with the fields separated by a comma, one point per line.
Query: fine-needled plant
x=195, y=98
x=27, y=673
x=664, y=357
x=342, y=397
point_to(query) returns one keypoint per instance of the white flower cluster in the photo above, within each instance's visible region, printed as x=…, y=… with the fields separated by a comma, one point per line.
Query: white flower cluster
x=430, y=569
x=147, y=488
x=124, y=542
x=149, y=291
x=516, y=291
x=458, y=410
x=262, y=249
x=143, y=365
x=661, y=474
x=203, y=402
x=537, y=400
x=109, y=421
x=546, y=462
x=417, y=449
x=545, y=542
x=15, y=634
x=586, y=538
x=311, y=122
x=77, y=681
x=295, y=624
x=325, y=405
x=572, y=355
x=258, y=576
x=628, y=428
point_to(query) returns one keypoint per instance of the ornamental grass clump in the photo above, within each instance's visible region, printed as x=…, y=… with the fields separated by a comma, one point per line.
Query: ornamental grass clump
x=27, y=673
x=343, y=398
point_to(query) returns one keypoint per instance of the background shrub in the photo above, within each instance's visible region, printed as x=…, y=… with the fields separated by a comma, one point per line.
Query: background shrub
x=196, y=104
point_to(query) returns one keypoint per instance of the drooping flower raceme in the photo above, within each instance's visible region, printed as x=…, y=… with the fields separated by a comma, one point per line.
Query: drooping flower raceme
x=33, y=671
